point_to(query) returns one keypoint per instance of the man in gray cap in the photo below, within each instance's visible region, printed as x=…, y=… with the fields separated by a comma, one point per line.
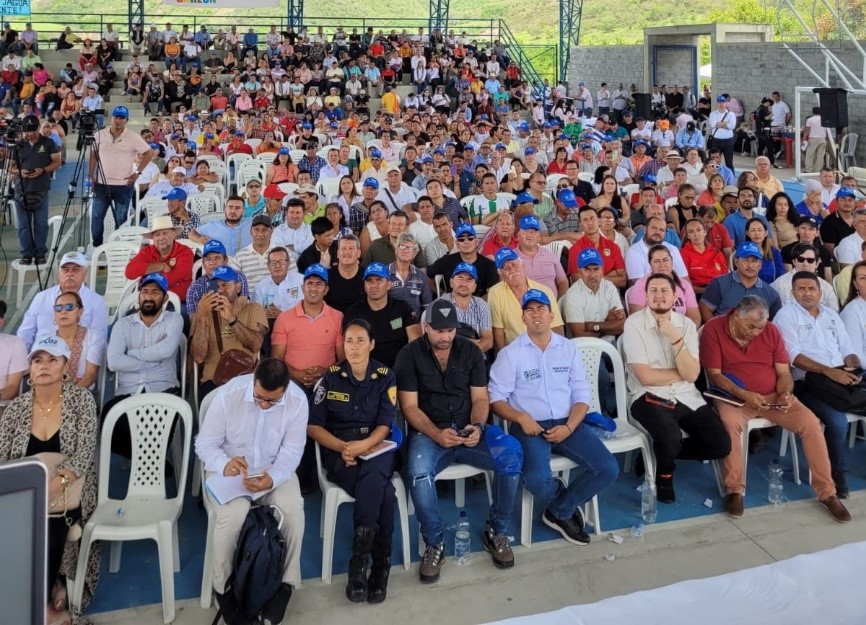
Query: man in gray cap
x=37, y=157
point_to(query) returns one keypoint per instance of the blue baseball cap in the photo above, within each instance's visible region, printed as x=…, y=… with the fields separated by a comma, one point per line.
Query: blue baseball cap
x=239, y=133
x=845, y=192
x=649, y=179
x=283, y=151
x=371, y=182
x=464, y=229
x=504, y=255
x=426, y=159
x=567, y=198
x=535, y=295
x=523, y=125
x=225, y=273
x=174, y=135
x=640, y=142
x=375, y=153
x=529, y=151
x=120, y=111
x=530, y=222
x=378, y=270
x=213, y=247
x=748, y=249
x=439, y=151
x=175, y=194
x=722, y=98
x=307, y=126
x=465, y=268
x=156, y=278
x=208, y=135
x=470, y=146
x=524, y=198
x=154, y=146
x=316, y=271
x=589, y=256
x=451, y=143
x=500, y=146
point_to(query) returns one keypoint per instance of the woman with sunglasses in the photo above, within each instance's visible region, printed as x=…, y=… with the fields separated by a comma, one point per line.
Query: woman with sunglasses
x=87, y=348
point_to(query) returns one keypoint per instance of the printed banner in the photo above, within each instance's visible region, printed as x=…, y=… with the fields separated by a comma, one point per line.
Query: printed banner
x=14, y=7
x=218, y=4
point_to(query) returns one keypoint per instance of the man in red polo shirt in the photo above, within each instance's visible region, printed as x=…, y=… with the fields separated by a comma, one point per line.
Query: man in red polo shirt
x=745, y=356
x=611, y=255
x=166, y=256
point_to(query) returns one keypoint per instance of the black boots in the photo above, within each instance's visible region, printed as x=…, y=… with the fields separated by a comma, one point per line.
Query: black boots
x=356, y=588
x=377, y=586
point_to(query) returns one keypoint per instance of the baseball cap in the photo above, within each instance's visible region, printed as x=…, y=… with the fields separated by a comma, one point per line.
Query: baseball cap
x=523, y=125
x=30, y=123
x=442, y=315
x=504, y=255
x=371, y=182
x=239, y=133
x=845, y=192
x=465, y=268
x=530, y=222
x=208, y=135
x=120, y=111
x=225, y=273
x=464, y=229
x=74, y=258
x=425, y=159
x=589, y=256
x=730, y=190
x=156, y=278
x=567, y=198
x=262, y=220
x=535, y=295
x=640, y=142
x=376, y=269
x=439, y=151
x=811, y=221
x=213, y=247
x=393, y=168
x=500, y=146
x=273, y=191
x=53, y=345
x=283, y=151
x=306, y=125
x=470, y=146
x=529, y=151
x=524, y=198
x=721, y=98
x=316, y=271
x=179, y=170
x=175, y=194
x=748, y=249
x=375, y=153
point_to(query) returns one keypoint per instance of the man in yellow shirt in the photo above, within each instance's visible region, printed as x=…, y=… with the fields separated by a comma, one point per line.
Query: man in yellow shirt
x=390, y=101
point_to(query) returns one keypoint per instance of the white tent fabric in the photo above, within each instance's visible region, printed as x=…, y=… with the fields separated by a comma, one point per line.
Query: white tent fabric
x=813, y=588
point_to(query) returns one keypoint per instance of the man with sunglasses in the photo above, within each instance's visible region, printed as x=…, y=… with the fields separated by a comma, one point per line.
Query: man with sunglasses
x=39, y=318
x=804, y=257
x=807, y=232
x=544, y=206
x=117, y=151
x=229, y=444
x=467, y=252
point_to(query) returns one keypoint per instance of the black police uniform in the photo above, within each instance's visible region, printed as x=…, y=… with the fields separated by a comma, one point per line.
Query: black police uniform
x=351, y=409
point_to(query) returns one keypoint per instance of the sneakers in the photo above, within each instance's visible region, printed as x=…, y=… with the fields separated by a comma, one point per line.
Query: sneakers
x=841, y=484
x=840, y=512
x=665, y=489
x=431, y=563
x=498, y=546
x=26, y=261
x=569, y=528
x=777, y=166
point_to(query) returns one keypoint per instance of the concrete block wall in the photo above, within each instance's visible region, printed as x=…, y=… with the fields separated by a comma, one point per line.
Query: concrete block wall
x=752, y=70
x=610, y=64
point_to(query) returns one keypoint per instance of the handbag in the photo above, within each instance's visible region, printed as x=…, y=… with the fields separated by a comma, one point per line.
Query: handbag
x=233, y=362
x=843, y=397
x=69, y=499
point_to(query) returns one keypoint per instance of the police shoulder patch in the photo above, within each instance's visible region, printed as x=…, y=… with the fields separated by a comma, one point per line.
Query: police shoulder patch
x=383, y=370
x=392, y=395
x=334, y=368
x=319, y=393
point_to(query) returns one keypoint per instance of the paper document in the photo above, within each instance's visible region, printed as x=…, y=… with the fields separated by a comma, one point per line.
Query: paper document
x=223, y=489
x=381, y=448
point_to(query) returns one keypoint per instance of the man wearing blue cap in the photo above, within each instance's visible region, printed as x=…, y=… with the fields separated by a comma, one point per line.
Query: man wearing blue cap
x=723, y=293
x=505, y=299
x=116, y=152
x=540, y=263
x=374, y=166
x=392, y=320
x=553, y=421
x=226, y=320
x=840, y=224
x=472, y=311
x=849, y=250
x=467, y=252
x=143, y=349
x=563, y=223
x=201, y=290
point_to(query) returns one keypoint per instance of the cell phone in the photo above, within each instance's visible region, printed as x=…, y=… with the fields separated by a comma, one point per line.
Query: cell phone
x=465, y=433
x=660, y=401
x=212, y=286
x=777, y=405
x=255, y=476
x=544, y=432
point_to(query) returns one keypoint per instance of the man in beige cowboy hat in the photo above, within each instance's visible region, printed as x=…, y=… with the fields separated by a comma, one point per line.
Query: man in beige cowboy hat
x=164, y=255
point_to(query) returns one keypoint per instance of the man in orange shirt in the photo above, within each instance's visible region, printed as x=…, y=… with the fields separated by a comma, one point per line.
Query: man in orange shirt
x=166, y=256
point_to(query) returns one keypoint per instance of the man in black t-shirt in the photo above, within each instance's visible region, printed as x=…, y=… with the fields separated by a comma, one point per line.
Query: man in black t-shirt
x=393, y=322
x=467, y=246
x=807, y=232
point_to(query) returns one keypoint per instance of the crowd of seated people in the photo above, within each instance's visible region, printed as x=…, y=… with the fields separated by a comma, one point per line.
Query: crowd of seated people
x=372, y=252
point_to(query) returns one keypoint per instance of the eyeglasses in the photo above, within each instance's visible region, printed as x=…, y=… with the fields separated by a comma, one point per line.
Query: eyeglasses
x=277, y=263
x=66, y=307
x=408, y=248
x=688, y=197
x=266, y=402
x=803, y=259
x=536, y=182
x=465, y=238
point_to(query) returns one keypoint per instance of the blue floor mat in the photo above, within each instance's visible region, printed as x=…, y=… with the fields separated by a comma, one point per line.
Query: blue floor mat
x=137, y=581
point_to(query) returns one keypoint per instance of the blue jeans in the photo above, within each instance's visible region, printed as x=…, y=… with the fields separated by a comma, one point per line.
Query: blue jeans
x=103, y=195
x=33, y=240
x=835, y=427
x=427, y=458
x=596, y=467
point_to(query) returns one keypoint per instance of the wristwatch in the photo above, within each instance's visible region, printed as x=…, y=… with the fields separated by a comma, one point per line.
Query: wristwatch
x=596, y=327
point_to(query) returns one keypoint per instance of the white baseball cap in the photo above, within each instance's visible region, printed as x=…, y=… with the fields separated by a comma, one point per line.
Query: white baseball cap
x=50, y=344
x=74, y=258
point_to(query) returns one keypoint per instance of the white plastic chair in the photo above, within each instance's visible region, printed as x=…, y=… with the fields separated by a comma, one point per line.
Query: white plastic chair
x=233, y=163
x=333, y=496
x=253, y=143
x=114, y=257
x=297, y=155
x=628, y=190
x=249, y=170
x=129, y=234
x=671, y=201
x=585, y=176
x=557, y=247
x=147, y=512
x=204, y=204
x=328, y=187
x=18, y=272
x=153, y=207
x=289, y=188
x=216, y=189
x=505, y=197
x=198, y=473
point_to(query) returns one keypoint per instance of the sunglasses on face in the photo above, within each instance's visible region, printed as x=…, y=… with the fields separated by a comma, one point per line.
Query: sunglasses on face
x=465, y=238
x=803, y=259
x=65, y=307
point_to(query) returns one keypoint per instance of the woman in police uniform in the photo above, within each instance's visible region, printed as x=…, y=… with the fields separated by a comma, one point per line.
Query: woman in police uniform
x=352, y=412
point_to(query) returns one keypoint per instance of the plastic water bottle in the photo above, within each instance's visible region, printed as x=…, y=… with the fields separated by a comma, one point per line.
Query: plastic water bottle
x=776, y=490
x=462, y=548
x=648, y=501
x=87, y=188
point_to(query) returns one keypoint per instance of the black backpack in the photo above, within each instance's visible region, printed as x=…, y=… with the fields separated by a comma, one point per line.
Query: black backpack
x=257, y=573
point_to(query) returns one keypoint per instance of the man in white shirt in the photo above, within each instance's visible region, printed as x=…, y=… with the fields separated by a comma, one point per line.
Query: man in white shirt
x=13, y=364
x=333, y=169
x=255, y=433
x=636, y=257
x=804, y=257
x=39, y=318
x=293, y=234
x=818, y=344
x=592, y=305
x=252, y=259
x=849, y=249
x=281, y=289
x=815, y=135
x=394, y=194
x=827, y=178
x=602, y=98
x=422, y=228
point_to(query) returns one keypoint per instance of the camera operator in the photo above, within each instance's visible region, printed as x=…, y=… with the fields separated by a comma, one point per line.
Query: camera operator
x=37, y=157
x=116, y=150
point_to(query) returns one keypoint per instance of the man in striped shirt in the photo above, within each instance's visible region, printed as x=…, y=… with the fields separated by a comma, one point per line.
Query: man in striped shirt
x=253, y=259
x=472, y=312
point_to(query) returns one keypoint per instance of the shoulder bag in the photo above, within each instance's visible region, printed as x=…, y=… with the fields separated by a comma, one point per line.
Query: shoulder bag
x=233, y=362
